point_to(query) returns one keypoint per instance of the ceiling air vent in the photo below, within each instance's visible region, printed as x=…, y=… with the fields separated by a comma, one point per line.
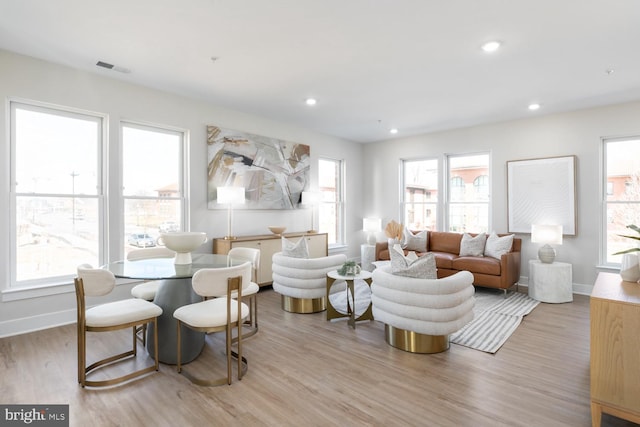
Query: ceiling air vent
x=112, y=67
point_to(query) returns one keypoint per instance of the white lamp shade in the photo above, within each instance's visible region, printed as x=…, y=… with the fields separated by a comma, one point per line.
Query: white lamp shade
x=231, y=195
x=310, y=197
x=372, y=225
x=548, y=234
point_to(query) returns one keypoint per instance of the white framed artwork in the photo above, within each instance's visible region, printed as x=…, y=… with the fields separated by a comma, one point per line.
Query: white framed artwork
x=542, y=191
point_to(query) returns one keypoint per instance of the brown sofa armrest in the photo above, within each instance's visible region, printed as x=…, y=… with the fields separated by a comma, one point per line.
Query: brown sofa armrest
x=510, y=269
x=381, y=246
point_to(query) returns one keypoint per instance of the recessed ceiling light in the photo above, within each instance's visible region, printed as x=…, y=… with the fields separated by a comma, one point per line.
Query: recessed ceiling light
x=534, y=107
x=310, y=101
x=491, y=46
x=609, y=71
x=393, y=131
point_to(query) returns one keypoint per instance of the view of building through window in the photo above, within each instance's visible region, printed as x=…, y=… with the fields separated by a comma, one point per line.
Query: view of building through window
x=467, y=186
x=621, y=195
x=151, y=176
x=469, y=193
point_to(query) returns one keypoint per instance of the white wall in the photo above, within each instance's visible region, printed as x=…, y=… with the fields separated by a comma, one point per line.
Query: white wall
x=27, y=78
x=576, y=133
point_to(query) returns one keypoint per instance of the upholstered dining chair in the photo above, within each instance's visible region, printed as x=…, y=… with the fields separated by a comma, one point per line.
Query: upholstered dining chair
x=251, y=292
x=217, y=314
x=106, y=317
x=147, y=290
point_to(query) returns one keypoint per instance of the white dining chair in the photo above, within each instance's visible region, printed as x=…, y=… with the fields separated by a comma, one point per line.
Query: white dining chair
x=106, y=317
x=217, y=314
x=251, y=292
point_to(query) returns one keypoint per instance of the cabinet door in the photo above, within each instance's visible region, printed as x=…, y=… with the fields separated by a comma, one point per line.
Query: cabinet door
x=267, y=248
x=317, y=244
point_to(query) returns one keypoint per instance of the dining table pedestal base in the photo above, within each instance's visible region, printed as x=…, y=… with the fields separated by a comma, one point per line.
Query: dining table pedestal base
x=172, y=294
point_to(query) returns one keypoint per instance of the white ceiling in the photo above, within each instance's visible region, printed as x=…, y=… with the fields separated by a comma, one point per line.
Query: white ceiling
x=372, y=64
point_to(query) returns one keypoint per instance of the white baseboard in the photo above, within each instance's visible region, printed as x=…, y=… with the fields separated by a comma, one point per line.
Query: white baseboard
x=36, y=323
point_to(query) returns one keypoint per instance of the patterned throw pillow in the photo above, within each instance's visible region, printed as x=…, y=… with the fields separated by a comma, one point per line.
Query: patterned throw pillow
x=297, y=249
x=473, y=246
x=423, y=267
x=498, y=246
x=415, y=242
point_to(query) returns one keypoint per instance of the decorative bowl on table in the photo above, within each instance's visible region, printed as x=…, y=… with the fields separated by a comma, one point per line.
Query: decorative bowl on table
x=277, y=229
x=182, y=243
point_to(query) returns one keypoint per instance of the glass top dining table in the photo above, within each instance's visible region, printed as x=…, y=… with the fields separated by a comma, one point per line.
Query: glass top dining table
x=174, y=291
x=165, y=268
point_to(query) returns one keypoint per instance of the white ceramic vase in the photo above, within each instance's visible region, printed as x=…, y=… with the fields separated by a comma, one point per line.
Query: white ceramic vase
x=630, y=268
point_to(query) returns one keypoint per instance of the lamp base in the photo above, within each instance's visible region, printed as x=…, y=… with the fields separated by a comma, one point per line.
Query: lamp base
x=230, y=237
x=546, y=254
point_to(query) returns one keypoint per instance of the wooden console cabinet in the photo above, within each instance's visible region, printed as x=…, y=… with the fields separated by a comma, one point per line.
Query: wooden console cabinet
x=615, y=349
x=269, y=244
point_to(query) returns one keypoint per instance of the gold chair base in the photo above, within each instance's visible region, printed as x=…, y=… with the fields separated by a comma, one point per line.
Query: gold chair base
x=414, y=342
x=303, y=305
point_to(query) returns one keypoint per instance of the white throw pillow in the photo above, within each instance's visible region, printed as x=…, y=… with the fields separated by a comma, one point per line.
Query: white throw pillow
x=423, y=267
x=473, y=246
x=415, y=242
x=297, y=249
x=498, y=246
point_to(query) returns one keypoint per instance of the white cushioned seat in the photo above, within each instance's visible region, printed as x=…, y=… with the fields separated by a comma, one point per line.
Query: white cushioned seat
x=430, y=307
x=119, y=312
x=209, y=312
x=146, y=291
x=303, y=278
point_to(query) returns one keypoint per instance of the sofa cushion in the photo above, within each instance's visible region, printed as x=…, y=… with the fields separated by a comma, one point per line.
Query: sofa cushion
x=444, y=260
x=298, y=249
x=481, y=265
x=472, y=246
x=423, y=267
x=497, y=246
x=443, y=241
x=415, y=241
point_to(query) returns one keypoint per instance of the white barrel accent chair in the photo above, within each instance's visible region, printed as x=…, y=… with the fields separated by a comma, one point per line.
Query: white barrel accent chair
x=419, y=314
x=302, y=282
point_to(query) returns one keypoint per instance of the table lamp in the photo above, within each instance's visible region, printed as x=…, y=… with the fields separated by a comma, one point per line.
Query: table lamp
x=548, y=235
x=371, y=226
x=230, y=196
x=311, y=199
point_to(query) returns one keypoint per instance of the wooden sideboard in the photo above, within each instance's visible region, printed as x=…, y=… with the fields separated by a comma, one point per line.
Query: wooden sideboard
x=615, y=348
x=269, y=244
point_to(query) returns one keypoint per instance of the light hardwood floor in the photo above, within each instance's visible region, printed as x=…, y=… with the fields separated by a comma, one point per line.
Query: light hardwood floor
x=305, y=371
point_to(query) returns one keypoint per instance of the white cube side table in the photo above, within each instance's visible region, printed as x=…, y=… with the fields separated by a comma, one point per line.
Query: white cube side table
x=367, y=256
x=550, y=282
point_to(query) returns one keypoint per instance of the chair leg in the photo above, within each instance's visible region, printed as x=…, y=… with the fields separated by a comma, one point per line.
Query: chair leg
x=155, y=341
x=239, y=325
x=135, y=340
x=178, y=349
x=228, y=346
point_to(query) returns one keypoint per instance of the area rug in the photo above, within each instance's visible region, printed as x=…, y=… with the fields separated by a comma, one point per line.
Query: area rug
x=495, y=319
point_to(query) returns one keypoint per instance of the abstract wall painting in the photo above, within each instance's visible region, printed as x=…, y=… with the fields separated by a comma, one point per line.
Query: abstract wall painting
x=273, y=172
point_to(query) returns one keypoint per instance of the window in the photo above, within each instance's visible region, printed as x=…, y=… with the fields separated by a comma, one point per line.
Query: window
x=152, y=184
x=331, y=216
x=420, y=195
x=621, y=198
x=468, y=210
x=57, y=193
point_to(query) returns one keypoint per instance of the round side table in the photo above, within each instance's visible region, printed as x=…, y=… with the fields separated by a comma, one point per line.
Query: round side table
x=550, y=282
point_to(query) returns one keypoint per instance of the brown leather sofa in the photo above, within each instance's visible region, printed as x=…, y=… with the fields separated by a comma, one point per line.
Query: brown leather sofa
x=487, y=272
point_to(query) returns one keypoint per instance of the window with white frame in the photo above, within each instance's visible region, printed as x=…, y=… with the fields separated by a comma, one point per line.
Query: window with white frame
x=57, y=192
x=468, y=201
x=152, y=171
x=621, y=195
x=420, y=195
x=331, y=209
